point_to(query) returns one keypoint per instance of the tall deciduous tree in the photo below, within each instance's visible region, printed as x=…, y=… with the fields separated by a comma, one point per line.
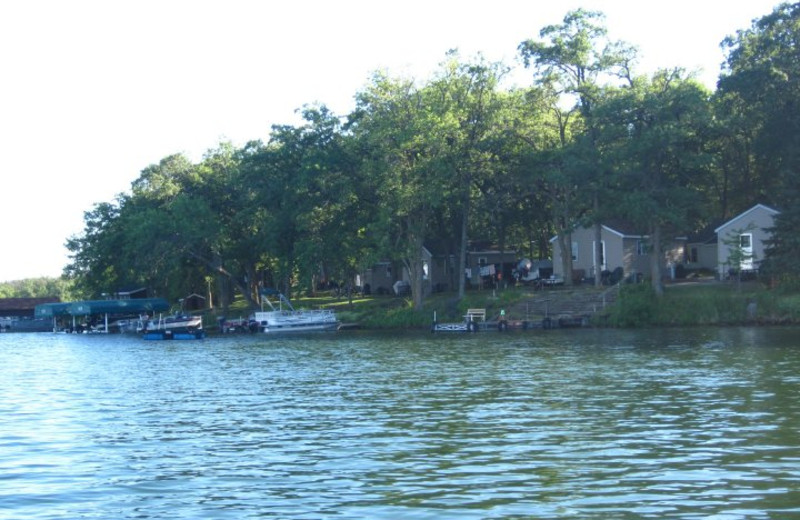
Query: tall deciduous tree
x=760, y=90
x=657, y=131
x=467, y=103
x=406, y=144
x=574, y=59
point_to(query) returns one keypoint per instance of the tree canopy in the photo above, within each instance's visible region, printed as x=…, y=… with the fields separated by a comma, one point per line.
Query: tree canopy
x=459, y=158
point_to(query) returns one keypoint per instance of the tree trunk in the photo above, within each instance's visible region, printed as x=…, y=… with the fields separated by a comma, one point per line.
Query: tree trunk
x=414, y=266
x=462, y=254
x=598, y=253
x=502, y=244
x=655, y=261
x=565, y=246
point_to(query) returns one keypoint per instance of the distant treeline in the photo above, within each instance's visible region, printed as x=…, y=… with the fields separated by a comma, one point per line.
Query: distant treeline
x=42, y=287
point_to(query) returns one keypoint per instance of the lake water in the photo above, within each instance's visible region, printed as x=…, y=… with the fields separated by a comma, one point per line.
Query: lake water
x=585, y=424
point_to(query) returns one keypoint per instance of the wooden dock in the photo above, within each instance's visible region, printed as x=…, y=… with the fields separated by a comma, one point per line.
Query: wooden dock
x=475, y=321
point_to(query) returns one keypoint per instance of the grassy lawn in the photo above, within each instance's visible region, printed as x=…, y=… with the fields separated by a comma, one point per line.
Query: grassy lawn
x=705, y=304
x=393, y=312
x=681, y=305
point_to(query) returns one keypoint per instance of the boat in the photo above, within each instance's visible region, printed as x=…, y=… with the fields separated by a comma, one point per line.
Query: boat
x=283, y=318
x=178, y=326
x=159, y=335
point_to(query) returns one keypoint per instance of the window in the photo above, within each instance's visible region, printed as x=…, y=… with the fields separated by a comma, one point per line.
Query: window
x=641, y=247
x=693, y=255
x=574, y=251
x=746, y=251
x=746, y=241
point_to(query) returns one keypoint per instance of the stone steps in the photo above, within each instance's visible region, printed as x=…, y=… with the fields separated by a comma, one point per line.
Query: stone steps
x=568, y=303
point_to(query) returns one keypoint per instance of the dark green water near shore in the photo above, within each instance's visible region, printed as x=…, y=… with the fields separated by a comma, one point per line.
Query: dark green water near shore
x=699, y=423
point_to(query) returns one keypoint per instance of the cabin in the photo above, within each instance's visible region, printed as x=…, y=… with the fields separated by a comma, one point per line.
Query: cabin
x=485, y=265
x=701, y=251
x=378, y=278
x=741, y=240
x=622, y=248
x=438, y=274
x=439, y=268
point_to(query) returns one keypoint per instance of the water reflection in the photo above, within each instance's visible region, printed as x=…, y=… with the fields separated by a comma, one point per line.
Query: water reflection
x=568, y=424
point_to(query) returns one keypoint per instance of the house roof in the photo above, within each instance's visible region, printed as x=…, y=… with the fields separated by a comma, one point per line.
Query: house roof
x=620, y=228
x=707, y=235
x=20, y=304
x=437, y=248
x=746, y=213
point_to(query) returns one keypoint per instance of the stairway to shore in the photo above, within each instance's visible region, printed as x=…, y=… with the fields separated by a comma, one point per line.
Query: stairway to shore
x=564, y=303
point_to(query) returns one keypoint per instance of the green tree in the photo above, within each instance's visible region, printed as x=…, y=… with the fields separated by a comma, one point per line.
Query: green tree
x=783, y=246
x=151, y=238
x=466, y=100
x=656, y=135
x=406, y=145
x=41, y=287
x=574, y=61
x=759, y=90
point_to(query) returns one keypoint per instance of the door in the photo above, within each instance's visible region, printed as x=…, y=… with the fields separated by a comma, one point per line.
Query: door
x=746, y=247
x=603, y=266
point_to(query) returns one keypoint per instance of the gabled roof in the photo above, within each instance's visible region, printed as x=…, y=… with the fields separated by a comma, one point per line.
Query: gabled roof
x=621, y=229
x=745, y=213
x=706, y=235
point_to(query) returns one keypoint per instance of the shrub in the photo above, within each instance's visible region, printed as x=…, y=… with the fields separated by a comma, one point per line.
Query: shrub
x=636, y=307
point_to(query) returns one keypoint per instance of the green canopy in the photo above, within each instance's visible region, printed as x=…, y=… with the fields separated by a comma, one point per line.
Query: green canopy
x=89, y=307
x=48, y=310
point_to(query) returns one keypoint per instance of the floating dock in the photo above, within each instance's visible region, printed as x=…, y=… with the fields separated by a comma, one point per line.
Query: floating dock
x=470, y=324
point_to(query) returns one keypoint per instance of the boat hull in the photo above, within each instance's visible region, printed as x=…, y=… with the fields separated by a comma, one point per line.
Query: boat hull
x=166, y=335
x=288, y=322
x=294, y=328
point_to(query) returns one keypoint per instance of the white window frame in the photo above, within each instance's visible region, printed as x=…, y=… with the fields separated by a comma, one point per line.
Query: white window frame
x=604, y=258
x=746, y=263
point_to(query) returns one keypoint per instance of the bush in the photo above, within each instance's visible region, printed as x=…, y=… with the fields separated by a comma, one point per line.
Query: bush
x=636, y=307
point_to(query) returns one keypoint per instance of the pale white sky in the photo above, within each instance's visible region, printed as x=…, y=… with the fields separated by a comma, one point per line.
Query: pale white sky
x=94, y=91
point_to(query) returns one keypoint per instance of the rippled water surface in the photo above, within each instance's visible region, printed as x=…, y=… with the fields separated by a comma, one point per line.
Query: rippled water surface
x=557, y=424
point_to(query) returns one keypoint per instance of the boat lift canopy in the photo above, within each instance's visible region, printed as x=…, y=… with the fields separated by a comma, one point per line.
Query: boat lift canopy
x=100, y=307
x=90, y=307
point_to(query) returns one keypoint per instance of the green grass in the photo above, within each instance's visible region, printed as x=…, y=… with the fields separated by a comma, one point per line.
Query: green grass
x=711, y=304
x=682, y=305
x=392, y=312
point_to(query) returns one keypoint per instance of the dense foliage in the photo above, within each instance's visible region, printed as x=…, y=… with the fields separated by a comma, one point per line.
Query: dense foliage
x=43, y=287
x=459, y=158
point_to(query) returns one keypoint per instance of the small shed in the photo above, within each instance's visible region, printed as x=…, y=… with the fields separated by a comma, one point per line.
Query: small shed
x=193, y=302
